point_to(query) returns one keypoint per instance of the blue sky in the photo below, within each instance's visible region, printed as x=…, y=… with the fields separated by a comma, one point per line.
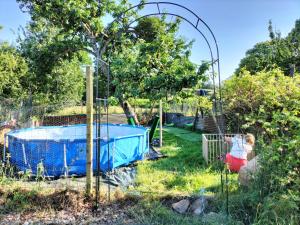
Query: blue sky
x=237, y=24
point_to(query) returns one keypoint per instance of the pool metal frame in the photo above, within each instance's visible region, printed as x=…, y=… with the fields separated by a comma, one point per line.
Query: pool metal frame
x=144, y=134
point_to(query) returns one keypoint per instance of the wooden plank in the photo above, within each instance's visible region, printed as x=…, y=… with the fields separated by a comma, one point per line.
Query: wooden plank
x=160, y=124
x=89, y=131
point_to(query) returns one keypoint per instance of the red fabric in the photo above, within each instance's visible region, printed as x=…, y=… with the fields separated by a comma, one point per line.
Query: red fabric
x=235, y=163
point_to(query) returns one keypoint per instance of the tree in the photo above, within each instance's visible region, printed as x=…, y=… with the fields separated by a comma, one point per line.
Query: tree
x=152, y=67
x=293, y=40
x=55, y=75
x=79, y=25
x=13, y=72
x=278, y=52
x=81, y=21
x=155, y=67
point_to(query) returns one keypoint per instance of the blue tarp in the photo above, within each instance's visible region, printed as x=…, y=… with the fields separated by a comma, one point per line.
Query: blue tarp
x=61, y=150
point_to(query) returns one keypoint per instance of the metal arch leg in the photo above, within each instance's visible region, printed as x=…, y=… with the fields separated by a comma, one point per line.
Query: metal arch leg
x=227, y=191
x=222, y=184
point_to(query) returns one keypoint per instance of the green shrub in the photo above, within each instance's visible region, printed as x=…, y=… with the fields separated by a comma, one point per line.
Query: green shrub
x=141, y=103
x=279, y=209
x=268, y=104
x=251, y=100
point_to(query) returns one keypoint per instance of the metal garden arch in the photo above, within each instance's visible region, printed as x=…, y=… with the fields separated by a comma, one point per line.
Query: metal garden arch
x=214, y=62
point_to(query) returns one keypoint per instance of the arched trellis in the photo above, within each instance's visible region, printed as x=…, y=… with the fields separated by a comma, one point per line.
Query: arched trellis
x=212, y=45
x=213, y=51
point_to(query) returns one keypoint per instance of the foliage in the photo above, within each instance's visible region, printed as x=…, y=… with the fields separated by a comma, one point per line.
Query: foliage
x=153, y=68
x=149, y=28
x=13, y=72
x=139, y=102
x=277, y=52
x=293, y=39
x=53, y=78
x=280, y=209
x=202, y=102
x=251, y=101
x=81, y=21
x=280, y=172
x=74, y=26
x=141, y=66
x=268, y=104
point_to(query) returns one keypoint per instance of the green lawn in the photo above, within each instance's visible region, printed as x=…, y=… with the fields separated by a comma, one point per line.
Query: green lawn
x=182, y=173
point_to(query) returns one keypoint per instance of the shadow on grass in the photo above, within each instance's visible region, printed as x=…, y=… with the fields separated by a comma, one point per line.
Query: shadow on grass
x=183, y=156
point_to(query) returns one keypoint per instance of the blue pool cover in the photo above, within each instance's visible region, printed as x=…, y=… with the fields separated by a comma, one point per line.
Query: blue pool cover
x=61, y=150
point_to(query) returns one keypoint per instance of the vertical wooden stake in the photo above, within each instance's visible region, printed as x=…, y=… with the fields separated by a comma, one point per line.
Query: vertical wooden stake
x=160, y=123
x=89, y=130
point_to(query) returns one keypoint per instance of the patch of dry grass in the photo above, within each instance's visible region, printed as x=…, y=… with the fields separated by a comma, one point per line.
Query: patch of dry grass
x=22, y=201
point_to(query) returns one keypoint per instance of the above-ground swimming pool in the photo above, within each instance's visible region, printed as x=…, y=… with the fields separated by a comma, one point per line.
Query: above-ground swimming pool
x=61, y=150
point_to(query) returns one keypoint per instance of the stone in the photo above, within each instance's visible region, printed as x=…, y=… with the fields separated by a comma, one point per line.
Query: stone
x=181, y=206
x=199, y=205
x=246, y=172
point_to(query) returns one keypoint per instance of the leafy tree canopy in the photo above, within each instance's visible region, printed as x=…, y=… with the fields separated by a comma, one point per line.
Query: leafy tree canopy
x=53, y=77
x=149, y=61
x=254, y=100
x=81, y=21
x=13, y=72
x=276, y=52
x=153, y=67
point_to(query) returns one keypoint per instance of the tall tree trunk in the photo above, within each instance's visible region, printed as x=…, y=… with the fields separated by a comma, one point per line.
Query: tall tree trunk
x=150, y=114
x=128, y=111
x=196, y=119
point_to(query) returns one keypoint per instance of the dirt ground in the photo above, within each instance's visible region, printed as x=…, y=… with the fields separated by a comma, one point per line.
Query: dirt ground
x=63, y=207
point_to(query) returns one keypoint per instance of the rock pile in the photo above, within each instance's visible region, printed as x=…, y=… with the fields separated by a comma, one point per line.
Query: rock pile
x=196, y=206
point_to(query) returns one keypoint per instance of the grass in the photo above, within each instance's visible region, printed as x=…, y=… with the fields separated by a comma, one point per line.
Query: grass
x=183, y=172
x=155, y=213
x=76, y=110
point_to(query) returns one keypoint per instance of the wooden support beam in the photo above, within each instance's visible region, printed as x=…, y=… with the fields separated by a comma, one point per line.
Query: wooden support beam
x=160, y=123
x=89, y=131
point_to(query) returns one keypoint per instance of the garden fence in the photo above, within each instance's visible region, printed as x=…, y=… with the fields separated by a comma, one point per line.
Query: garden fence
x=213, y=146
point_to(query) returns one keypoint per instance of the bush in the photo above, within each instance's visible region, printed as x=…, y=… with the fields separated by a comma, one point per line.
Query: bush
x=279, y=209
x=268, y=104
x=251, y=100
x=141, y=103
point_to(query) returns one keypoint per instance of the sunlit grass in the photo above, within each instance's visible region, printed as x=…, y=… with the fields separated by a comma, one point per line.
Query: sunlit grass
x=77, y=110
x=183, y=172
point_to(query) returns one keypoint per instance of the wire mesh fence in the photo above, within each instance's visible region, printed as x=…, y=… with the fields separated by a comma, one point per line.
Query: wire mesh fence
x=49, y=142
x=186, y=109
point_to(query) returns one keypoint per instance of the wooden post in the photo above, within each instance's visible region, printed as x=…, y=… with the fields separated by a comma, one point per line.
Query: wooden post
x=160, y=123
x=89, y=130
